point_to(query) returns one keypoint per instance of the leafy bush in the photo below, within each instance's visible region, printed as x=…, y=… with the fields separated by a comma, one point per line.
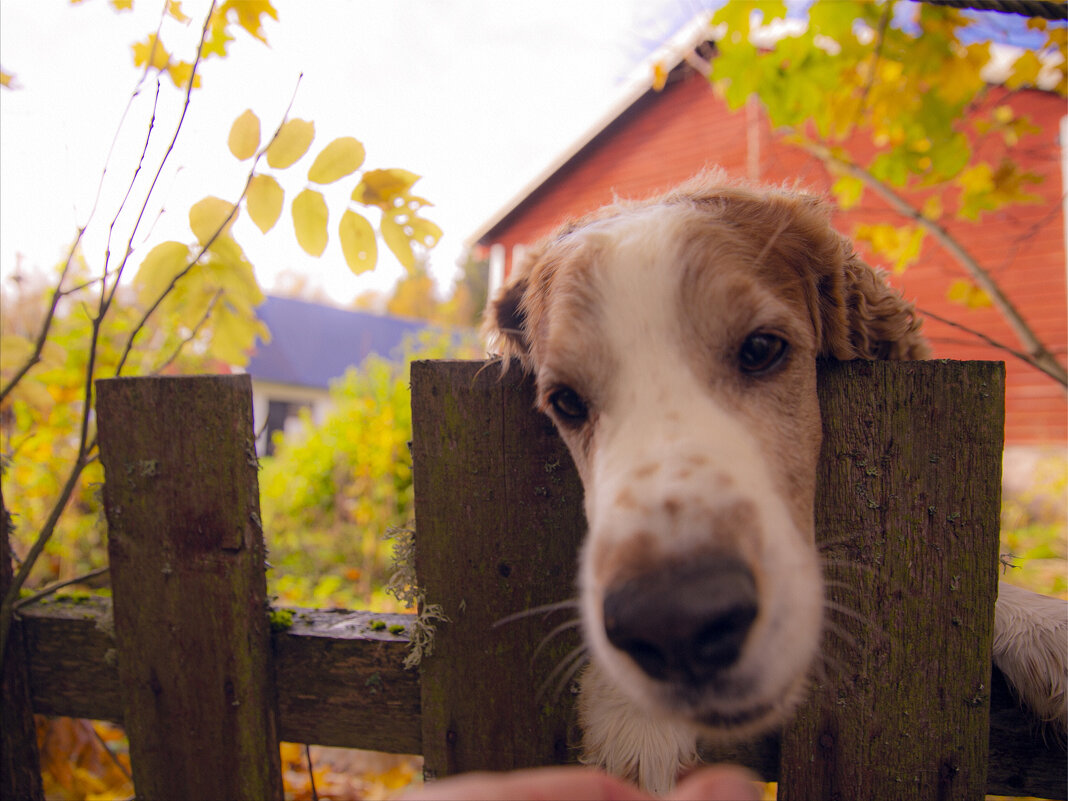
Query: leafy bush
x=332, y=491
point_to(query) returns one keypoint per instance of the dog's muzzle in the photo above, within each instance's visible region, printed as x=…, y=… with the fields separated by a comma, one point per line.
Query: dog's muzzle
x=684, y=623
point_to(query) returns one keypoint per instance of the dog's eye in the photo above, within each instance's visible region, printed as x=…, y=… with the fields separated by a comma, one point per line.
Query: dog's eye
x=761, y=352
x=569, y=406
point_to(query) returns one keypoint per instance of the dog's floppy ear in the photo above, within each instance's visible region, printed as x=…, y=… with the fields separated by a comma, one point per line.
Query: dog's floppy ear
x=862, y=317
x=505, y=325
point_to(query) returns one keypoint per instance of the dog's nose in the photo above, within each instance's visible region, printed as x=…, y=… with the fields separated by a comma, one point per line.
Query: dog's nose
x=685, y=622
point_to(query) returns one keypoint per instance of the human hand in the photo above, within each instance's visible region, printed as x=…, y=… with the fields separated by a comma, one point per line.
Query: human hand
x=716, y=783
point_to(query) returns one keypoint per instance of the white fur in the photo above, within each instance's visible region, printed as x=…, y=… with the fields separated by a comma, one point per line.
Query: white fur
x=1031, y=649
x=681, y=454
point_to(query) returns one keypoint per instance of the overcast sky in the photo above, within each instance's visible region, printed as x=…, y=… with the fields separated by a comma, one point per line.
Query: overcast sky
x=477, y=96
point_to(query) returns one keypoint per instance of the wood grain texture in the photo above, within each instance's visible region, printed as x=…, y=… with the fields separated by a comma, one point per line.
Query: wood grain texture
x=340, y=675
x=190, y=594
x=499, y=521
x=20, y=770
x=341, y=682
x=908, y=518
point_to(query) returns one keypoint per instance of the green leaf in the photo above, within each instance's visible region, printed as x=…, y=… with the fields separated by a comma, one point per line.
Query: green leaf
x=264, y=201
x=358, y=242
x=244, y=139
x=341, y=157
x=293, y=140
x=310, y=217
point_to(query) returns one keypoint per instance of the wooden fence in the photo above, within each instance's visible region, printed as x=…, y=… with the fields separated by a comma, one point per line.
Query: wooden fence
x=184, y=658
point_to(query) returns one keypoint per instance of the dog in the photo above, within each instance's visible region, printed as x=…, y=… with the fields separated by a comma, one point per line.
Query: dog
x=674, y=344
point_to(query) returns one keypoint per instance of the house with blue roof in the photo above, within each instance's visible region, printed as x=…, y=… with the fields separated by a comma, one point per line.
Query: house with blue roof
x=312, y=344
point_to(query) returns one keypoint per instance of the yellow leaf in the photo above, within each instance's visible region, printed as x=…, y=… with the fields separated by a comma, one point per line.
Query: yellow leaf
x=180, y=74
x=357, y=242
x=1024, y=71
x=14, y=351
x=122, y=5
x=380, y=187
x=208, y=216
x=932, y=207
x=7, y=79
x=174, y=9
x=150, y=52
x=244, y=139
x=847, y=191
x=660, y=76
x=341, y=157
x=309, y=221
x=264, y=201
x=424, y=232
x=249, y=13
x=968, y=294
x=159, y=268
x=291, y=143
x=397, y=240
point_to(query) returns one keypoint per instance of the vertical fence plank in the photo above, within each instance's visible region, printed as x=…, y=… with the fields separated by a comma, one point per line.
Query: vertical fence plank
x=907, y=510
x=499, y=519
x=187, y=571
x=20, y=769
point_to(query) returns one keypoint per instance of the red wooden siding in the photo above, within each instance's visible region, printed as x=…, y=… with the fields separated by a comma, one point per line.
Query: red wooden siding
x=666, y=137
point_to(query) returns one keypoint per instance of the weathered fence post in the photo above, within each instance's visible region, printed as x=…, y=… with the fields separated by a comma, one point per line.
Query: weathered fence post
x=187, y=572
x=20, y=770
x=908, y=521
x=908, y=514
x=499, y=518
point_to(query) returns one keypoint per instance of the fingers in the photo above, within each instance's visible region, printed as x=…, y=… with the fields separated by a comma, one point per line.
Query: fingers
x=542, y=784
x=718, y=783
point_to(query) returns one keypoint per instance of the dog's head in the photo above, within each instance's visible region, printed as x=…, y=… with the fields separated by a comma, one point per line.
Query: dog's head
x=674, y=344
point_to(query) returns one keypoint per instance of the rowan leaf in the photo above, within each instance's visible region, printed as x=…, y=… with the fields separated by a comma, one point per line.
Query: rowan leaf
x=159, y=268
x=397, y=240
x=310, y=217
x=341, y=157
x=425, y=232
x=181, y=73
x=210, y=216
x=293, y=140
x=264, y=201
x=358, y=242
x=382, y=187
x=244, y=139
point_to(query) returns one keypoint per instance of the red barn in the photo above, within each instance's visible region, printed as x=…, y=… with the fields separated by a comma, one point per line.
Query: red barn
x=655, y=139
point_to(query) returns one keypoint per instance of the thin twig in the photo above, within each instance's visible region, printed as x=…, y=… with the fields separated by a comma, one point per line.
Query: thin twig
x=1039, y=356
x=207, y=245
x=192, y=334
x=53, y=588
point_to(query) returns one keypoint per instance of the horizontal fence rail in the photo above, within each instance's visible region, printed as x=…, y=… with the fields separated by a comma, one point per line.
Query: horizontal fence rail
x=499, y=517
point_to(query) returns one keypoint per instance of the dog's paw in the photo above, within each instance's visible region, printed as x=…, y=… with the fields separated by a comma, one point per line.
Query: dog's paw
x=626, y=742
x=1031, y=649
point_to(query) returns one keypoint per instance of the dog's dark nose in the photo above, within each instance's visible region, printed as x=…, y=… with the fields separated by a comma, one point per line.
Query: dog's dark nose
x=684, y=622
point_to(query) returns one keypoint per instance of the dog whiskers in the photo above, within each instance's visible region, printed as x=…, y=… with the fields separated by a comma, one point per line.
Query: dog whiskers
x=564, y=671
x=565, y=626
x=544, y=609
